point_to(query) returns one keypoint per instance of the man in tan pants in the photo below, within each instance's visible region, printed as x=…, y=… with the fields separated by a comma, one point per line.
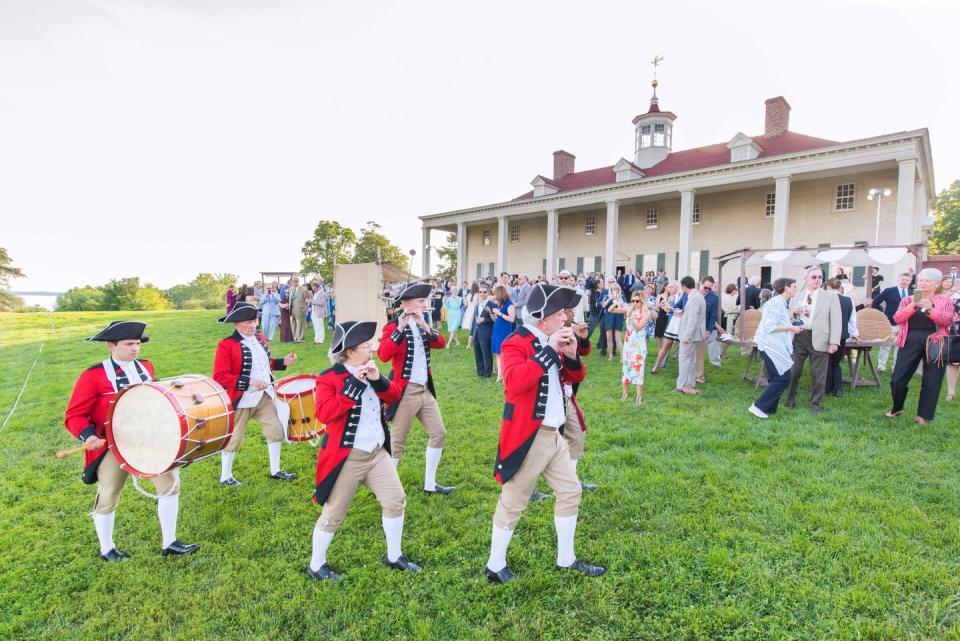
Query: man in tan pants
x=534, y=359
x=299, y=300
x=86, y=420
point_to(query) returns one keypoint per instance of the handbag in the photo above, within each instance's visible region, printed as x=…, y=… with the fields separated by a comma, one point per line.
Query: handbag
x=673, y=327
x=943, y=350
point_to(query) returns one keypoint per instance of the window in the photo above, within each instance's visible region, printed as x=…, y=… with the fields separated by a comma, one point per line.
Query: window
x=695, y=218
x=596, y=263
x=590, y=226
x=486, y=236
x=740, y=153
x=514, y=233
x=563, y=264
x=770, y=208
x=479, y=271
x=659, y=135
x=644, y=136
x=579, y=265
x=846, y=196
x=490, y=270
x=652, y=217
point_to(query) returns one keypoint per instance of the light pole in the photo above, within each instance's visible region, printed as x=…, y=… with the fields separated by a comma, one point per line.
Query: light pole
x=878, y=194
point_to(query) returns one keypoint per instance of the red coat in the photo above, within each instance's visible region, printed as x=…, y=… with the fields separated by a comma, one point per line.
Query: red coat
x=87, y=411
x=338, y=407
x=525, y=365
x=233, y=362
x=396, y=347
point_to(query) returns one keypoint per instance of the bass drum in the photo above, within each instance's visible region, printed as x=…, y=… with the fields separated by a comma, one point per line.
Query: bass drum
x=160, y=425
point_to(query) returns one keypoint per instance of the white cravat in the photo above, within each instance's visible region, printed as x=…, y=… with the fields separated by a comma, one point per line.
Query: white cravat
x=369, y=431
x=259, y=370
x=554, y=415
x=418, y=373
x=130, y=369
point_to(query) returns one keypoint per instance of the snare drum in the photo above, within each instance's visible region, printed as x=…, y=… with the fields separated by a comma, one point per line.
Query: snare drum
x=157, y=426
x=298, y=392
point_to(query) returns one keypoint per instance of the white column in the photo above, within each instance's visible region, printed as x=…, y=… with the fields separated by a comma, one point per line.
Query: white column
x=921, y=210
x=501, y=244
x=905, y=201
x=461, y=253
x=551, y=244
x=686, y=232
x=781, y=212
x=613, y=231
x=425, y=253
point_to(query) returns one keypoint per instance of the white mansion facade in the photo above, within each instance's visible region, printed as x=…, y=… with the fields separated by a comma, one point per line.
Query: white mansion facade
x=676, y=210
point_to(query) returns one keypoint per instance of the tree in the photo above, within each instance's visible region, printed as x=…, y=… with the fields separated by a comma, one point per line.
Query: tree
x=946, y=221
x=370, y=239
x=8, y=302
x=448, y=259
x=120, y=294
x=149, y=297
x=332, y=244
x=206, y=291
x=81, y=299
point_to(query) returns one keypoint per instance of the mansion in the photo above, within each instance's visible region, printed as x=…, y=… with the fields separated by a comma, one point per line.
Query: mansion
x=677, y=210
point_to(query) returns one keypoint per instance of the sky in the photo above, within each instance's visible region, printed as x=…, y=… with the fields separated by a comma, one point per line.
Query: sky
x=161, y=139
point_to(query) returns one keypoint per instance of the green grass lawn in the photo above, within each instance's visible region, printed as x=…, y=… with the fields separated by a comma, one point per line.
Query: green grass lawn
x=712, y=524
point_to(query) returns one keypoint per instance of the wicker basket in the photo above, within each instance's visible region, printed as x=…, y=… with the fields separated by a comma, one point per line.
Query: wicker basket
x=873, y=325
x=748, y=323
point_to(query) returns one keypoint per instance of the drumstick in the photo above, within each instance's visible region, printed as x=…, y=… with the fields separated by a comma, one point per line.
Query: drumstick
x=71, y=452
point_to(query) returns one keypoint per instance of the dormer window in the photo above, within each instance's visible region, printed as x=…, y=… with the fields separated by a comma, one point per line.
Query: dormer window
x=742, y=147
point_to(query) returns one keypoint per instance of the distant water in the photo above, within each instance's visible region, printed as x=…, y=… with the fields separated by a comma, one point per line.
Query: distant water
x=47, y=301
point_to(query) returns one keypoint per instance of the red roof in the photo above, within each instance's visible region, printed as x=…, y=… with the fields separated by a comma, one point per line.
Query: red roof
x=692, y=159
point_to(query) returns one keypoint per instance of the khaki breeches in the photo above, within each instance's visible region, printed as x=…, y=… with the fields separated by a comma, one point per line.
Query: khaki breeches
x=377, y=472
x=417, y=402
x=265, y=413
x=572, y=432
x=550, y=457
x=111, y=479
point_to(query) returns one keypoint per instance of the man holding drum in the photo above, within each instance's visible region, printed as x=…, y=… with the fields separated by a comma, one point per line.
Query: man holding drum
x=406, y=344
x=85, y=419
x=350, y=400
x=243, y=365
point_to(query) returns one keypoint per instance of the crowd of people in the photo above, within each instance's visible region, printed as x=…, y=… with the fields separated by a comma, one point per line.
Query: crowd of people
x=289, y=307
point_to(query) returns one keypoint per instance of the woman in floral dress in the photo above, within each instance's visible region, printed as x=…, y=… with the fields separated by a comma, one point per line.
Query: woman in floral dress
x=635, y=345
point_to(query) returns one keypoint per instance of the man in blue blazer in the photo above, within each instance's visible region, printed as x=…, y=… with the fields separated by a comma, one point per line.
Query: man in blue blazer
x=888, y=301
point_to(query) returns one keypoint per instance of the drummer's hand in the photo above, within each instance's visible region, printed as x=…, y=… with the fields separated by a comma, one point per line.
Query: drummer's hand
x=258, y=384
x=373, y=372
x=94, y=442
x=289, y=359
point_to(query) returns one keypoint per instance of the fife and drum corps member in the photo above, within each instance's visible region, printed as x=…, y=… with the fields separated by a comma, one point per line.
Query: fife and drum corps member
x=243, y=366
x=534, y=358
x=406, y=344
x=85, y=417
x=350, y=401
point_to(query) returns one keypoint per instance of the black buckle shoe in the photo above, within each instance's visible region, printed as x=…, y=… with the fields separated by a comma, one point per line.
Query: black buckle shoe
x=539, y=496
x=402, y=564
x=179, y=548
x=504, y=575
x=587, y=487
x=230, y=482
x=114, y=555
x=283, y=476
x=441, y=489
x=586, y=568
x=325, y=573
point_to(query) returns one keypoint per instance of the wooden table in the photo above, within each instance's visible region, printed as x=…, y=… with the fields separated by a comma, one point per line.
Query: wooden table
x=863, y=351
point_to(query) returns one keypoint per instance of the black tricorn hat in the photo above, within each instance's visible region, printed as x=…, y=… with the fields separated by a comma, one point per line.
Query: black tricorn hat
x=351, y=334
x=545, y=300
x=122, y=331
x=240, y=312
x=573, y=298
x=414, y=290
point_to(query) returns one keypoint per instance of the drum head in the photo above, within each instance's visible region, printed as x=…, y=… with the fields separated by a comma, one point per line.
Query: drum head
x=296, y=386
x=146, y=429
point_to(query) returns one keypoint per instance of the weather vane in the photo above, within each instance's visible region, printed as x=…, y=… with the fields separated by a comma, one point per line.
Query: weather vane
x=656, y=63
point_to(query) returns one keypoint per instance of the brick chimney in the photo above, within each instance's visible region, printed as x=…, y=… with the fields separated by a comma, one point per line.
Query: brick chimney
x=778, y=116
x=562, y=164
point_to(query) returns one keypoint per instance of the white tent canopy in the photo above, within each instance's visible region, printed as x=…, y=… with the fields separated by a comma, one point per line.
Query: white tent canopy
x=863, y=257
x=788, y=257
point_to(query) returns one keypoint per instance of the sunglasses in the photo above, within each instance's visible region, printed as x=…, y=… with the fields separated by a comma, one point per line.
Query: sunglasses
x=637, y=300
x=816, y=277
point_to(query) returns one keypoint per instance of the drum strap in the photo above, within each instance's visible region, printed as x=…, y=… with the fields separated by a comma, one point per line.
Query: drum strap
x=119, y=380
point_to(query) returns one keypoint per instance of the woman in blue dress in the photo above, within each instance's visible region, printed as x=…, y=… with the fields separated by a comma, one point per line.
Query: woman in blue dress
x=505, y=314
x=454, y=305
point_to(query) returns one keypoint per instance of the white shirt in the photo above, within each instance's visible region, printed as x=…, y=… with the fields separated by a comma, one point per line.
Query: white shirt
x=130, y=369
x=418, y=373
x=808, y=319
x=554, y=415
x=259, y=370
x=369, y=434
x=579, y=312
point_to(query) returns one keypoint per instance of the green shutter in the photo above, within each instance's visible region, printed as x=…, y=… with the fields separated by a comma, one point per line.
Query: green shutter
x=491, y=268
x=859, y=278
x=766, y=275
x=825, y=266
x=704, y=262
x=596, y=263
x=638, y=268
x=579, y=265
x=563, y=264
x=676, y=265
x=543, y=269
x=661, y=261
x=479, y=271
